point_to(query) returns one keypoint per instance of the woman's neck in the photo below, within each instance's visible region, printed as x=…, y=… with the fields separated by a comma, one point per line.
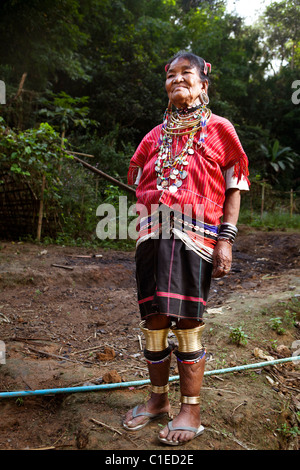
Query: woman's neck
x=189, y=109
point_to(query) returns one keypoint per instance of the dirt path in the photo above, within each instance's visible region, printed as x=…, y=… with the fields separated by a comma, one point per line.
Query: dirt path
x=79, y=326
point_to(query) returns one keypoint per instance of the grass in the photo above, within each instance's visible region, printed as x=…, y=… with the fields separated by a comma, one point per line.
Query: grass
x=69, y=237
x=270, y=220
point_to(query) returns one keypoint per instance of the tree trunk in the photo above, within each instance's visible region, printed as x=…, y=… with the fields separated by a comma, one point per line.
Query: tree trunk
x=41, y=210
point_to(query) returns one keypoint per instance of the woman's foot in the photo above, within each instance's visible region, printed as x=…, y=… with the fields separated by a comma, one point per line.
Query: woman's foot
x=189, y=416
x=138, y=417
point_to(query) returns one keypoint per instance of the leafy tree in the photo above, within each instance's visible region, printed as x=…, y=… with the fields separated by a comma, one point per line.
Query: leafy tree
x=278, y=159
x=35, y=156
x=114, y=52
x=65, y=112
x=42, y=37
x=134, y=41
x=281, y=23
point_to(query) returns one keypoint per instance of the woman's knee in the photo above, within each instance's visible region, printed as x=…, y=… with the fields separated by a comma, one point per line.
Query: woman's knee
x=185, y=323
x=157, y=322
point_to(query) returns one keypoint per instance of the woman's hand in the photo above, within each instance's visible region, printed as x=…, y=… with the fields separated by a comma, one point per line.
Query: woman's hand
x=222, y=259
x=222, y=256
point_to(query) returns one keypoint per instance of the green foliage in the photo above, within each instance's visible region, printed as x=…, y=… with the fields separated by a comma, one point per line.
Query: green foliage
x=32, y=154
x=104, y=63
x=112, y=154
x=270, y=220
x=43, y=39
x=276, y=325
x=288, y=431
x=238, y=336
x=35, y=157
x=65, y=112
x=281, y=22
x=283, y=316
x=277, y=159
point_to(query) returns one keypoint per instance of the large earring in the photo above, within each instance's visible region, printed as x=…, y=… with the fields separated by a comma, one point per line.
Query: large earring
x=204, y=98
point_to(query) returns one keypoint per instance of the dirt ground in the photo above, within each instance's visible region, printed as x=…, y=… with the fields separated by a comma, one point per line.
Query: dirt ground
x=69, y=317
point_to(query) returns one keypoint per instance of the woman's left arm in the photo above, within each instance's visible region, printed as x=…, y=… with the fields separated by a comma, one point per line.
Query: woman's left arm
x=222, y=257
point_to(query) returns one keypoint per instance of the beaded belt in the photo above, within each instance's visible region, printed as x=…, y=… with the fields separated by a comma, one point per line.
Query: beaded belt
x=197, y=235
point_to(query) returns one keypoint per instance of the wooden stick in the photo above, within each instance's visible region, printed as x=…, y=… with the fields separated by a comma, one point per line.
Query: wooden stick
x=230, y=437
x=60, y=266
x=41, y=209
x=238, y=406
x=21, y=86
x=262, y=200
x=105, y=426
x=86, y=350
x=291, y=203
x=219, y=390
x=56, y=356
x=20, y=89
x=140, y=342
x=105, y=176
x=26, y=339
x=41, y=448
x=77, y=153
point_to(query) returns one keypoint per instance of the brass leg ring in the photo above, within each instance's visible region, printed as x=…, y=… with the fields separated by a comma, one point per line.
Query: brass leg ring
x=160, y=389
x=190, y=400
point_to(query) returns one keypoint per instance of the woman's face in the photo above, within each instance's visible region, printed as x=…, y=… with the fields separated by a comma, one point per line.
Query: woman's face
x=183, y=84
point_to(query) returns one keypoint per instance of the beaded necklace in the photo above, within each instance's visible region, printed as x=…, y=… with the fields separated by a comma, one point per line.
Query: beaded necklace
x=172, y=170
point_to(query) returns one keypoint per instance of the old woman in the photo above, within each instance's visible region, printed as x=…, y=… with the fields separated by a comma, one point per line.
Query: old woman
x=189, y=172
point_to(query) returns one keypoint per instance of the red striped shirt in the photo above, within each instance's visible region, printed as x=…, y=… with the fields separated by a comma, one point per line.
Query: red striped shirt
x=204, y=187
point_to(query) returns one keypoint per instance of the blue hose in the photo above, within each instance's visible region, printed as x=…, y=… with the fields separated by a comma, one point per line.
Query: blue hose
x=91, y=388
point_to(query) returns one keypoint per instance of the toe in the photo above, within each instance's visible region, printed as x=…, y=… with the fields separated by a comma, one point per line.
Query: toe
x=130, y=421
x=174, y=437
x=164, y=432
x=128, y=418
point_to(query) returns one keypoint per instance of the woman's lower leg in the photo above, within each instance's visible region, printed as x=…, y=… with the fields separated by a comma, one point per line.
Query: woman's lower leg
x=191, y=376
x=159, y=377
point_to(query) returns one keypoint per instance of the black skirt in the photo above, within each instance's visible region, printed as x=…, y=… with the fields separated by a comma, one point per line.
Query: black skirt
x=171, y=279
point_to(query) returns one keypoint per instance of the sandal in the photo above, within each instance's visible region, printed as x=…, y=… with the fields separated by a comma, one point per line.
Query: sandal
x=197, y=431
x=150, y=417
